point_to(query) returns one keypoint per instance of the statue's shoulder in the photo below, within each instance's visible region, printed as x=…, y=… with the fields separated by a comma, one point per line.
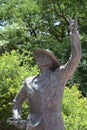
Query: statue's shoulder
x=28, y=80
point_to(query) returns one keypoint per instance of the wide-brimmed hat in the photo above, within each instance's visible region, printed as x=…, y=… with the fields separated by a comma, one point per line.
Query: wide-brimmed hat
x=55, y=63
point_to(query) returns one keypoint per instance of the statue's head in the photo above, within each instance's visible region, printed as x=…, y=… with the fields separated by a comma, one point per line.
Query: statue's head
x=46, y=58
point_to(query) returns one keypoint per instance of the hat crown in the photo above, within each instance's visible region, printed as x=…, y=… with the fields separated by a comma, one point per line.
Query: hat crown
x=55, y=63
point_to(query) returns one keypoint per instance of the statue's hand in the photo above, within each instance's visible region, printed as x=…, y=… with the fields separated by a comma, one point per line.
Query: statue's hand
x=12, y=121
x=17, y=122
x=73, y=25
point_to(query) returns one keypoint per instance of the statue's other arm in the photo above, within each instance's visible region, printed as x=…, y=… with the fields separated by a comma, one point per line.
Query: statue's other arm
x=17, y=102
x=68, y=69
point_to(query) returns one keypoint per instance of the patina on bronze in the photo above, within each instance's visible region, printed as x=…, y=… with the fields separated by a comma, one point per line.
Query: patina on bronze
x=45, y=91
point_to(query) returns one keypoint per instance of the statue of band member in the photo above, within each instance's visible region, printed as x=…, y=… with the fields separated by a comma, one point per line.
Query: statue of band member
x=45, y=91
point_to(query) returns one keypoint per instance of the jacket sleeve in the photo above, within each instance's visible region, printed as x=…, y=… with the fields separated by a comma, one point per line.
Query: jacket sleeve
x=68, y=69
x=18, y=100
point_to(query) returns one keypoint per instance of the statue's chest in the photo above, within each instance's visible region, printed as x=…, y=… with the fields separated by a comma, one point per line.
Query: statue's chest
x=43, y=92
x=41, y=83
x=45, y=87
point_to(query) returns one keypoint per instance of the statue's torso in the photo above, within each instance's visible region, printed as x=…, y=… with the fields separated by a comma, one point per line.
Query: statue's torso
x=45, y=95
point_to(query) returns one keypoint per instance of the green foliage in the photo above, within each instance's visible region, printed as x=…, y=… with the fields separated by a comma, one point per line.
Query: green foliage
x=82, y=69
x=13, y=9
x=39, y=23
x=74, y=109
x=18, y=20
x=12, y=74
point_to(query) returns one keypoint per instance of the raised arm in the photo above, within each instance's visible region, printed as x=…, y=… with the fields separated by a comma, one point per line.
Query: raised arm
x=68, y=69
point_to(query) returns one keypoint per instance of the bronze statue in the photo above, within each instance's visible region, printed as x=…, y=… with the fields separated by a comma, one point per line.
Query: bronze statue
x=45, y=91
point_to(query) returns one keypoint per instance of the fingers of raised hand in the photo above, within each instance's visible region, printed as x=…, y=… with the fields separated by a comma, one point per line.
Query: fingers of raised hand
x=73, y=26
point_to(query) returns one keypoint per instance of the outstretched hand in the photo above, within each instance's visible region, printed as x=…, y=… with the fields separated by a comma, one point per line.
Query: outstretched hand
x=73, y=25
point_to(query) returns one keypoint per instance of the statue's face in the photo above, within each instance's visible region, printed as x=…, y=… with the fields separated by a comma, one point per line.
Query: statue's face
x=43, y=60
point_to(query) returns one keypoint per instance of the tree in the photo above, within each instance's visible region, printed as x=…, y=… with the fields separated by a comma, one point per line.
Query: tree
x=32, y=24
x=45, y=21
x=18, y=19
